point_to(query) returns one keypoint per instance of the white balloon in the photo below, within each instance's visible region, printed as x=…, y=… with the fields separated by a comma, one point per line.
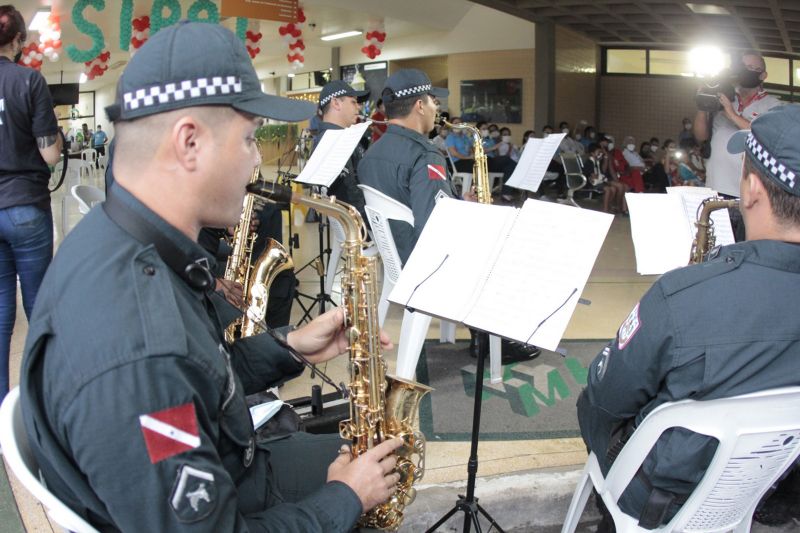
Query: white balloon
x=54, y=56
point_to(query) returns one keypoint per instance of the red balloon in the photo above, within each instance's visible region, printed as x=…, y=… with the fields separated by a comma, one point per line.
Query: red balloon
x=297, y=44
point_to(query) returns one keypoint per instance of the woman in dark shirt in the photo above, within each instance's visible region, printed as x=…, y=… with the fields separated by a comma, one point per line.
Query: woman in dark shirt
x=29, y=141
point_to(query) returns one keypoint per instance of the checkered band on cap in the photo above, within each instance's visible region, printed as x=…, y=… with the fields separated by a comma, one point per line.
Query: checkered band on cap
x=419, y=89
x=324, y=101
x=183, y=90
x=771, y=164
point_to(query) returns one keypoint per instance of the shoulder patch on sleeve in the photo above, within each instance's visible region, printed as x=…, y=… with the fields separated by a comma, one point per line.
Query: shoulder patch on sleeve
x=628, y=328
x=194, y=494
x=170, y=431
x=436, y=172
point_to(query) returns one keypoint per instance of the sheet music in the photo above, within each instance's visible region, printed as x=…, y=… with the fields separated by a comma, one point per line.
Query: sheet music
x=540, y=273
x=533, y=164
x=451, y=258
x=331, y=154
x=692, y=199
x=659, y=229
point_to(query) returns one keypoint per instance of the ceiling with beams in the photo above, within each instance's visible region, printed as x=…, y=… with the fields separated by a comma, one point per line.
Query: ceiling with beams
x=771, y=26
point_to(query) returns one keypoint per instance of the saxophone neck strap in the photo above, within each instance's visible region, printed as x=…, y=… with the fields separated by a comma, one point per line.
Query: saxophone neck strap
x=195, y=271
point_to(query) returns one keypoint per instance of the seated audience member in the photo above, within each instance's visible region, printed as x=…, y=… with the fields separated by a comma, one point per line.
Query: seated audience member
x=647, y=155
x=133, y=402
x=629, y=165
x=686, y=135
x=695, y=159
x=547, y=130
x=525, y=136
x=613, y=190
x=664, y=352
x=489, y=145
x=660, y=176
x=459, y=146
x=440, y=140
x=589, y=136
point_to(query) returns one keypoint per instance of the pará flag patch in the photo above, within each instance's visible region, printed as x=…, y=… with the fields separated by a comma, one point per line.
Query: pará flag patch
x=629, y=328
x=436, y=172
x=170, y=432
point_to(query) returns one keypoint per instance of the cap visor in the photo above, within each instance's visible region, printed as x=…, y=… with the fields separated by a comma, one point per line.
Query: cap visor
x=361, y=96
x=277, y=108
x=438, y=92
x=736, y=142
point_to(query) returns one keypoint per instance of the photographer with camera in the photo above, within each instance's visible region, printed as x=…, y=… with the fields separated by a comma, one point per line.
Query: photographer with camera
x=726, y=104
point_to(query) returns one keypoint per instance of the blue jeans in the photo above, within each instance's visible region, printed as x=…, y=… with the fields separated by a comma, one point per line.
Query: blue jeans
x=26, y=248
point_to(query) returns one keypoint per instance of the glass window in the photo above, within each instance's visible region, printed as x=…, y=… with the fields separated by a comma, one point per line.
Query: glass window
x=670, y=63
x=777, y=70
x=796, y=70
x=626, y=61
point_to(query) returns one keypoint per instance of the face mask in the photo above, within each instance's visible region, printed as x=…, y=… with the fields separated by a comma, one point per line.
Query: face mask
x=631, y=147
x=506, y=138
x=577, y=136
x=687, y=126
x=484, y=133
x=545, y=134
x=592, y=135
x=610, y=146
x=495, y=134
x=565, y=130
x=749, y=79
x=654, y=147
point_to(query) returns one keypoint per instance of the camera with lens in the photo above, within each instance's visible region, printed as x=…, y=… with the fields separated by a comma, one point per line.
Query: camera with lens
x=707, y=98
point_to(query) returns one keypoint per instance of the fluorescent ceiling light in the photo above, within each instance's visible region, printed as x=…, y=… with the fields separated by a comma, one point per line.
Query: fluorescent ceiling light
x=39, y=19
x=83, y=78
x=375, y=66
x=334, y=36
x=291, y=75
x=708, y=9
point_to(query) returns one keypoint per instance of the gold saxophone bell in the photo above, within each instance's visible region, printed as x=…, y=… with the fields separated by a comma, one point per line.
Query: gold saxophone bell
x=705, y=238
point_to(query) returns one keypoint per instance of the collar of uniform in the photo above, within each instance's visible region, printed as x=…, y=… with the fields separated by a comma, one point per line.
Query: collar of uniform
x=329, y=126
x=184, y=244
x=410, y=134
x=773, y=254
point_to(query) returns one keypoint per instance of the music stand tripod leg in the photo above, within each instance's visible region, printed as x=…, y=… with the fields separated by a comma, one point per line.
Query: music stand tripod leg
x=469, y=504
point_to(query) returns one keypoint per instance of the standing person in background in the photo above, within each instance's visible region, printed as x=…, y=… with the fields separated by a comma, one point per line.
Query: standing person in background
x=379, y=116
x=99, y=140
x=29, y=141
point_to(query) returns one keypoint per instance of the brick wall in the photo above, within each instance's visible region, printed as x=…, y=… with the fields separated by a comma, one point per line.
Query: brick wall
x=576, y=78
x=645, y=107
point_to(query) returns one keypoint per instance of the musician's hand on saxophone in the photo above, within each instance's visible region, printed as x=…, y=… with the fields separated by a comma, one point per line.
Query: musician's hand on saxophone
x=232, y=291
x=324, y=337
x=371, y=475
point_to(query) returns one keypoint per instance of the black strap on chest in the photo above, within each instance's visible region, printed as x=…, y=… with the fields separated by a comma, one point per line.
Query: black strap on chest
x=196, y=272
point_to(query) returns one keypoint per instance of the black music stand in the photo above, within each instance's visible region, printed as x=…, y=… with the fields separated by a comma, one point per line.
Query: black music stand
x=469, y=504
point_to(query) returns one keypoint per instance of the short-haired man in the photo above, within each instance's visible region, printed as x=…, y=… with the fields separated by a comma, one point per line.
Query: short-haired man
x=750, y=101
x=133, y=402
x=340, y=108
x=678, y=343
x=404, y=164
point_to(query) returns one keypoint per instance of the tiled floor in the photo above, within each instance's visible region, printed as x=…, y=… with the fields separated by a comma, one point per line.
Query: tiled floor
x=613, y=289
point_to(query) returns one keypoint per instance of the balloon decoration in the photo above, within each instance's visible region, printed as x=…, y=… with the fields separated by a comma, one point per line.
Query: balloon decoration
x=97, y=66
x=292, y=35
x=373, y=39
x=253, y=38
x=140, y=33
x=50, y=37
x=32, y=56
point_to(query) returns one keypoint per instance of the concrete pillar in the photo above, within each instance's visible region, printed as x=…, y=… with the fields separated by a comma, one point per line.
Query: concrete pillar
x=336, y=73
x=544, y=76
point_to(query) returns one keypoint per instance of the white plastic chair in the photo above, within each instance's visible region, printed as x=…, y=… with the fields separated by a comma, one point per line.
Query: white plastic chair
x=22, y=462
x=759, y=438
x=88, y=161
x=87, y=196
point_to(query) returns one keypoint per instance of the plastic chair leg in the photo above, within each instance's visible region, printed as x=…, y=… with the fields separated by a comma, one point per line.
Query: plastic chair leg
x=447, y=332
x=495, y=359
x=578, y=503
x=412, y=335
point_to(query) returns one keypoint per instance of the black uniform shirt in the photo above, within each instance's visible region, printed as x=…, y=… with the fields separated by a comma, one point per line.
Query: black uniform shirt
x=26, y=112
x=406, y=166
x=135, y=407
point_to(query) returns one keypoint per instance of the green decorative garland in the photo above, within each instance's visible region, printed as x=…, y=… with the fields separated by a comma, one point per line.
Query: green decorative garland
x=87, y=28
x=157, y=20
x=125, y=21
x=212, y=12
x=241, y=28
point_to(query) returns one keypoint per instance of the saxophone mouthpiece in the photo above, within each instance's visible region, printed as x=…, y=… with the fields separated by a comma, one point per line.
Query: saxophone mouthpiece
x=271, y=191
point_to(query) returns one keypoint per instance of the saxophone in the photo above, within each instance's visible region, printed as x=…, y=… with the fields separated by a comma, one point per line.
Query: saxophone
x=382, y=407
x=269, y=264
x=480, y=170
x=705, y=239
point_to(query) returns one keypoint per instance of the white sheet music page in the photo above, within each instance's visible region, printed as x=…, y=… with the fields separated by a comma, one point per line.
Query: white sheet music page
x=534, y=162
x=541, y=271
x=661, y=237
x=692, y=199
x=449, y=263
x=331, y=154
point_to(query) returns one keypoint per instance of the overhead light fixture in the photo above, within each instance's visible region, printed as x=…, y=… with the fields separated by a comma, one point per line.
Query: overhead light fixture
x=375, y=66
x=39, y=19
x=342, y=35
x=83, y=78
x=708, y=9
x=291, y=75
x=706, y=60
x=358, y=82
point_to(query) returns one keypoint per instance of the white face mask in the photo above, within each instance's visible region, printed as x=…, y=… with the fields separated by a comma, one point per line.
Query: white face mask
x=577, y=136
x=545, y=134
x=654, y=147
x=484, y=133
x=565, y=130
x=506, y=138
x=687, y=126
x=631, y=147
x=592, y=135
x=610, y=146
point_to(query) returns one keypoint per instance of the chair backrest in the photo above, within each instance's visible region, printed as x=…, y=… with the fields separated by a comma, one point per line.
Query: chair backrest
x=87, y=196
x=572, y=170
x=89, y=155
x=22, y=462
x=380, y=209
x=759, y=438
